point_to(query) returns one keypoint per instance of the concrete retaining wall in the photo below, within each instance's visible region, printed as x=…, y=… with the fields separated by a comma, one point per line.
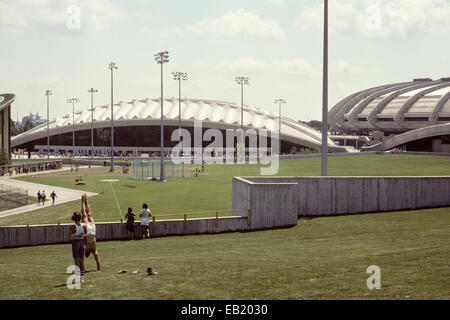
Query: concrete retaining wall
x=316, y=196
x=19, y=236
x=271, y=203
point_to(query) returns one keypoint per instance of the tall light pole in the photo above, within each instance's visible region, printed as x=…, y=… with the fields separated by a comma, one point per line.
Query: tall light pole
x=242, y=81
x=279, y=101
x=73, y=101
x=161, y=58
x=48, y=93
x=324, y=165
x=180, y=76
x=112, y=66
x=92, y=91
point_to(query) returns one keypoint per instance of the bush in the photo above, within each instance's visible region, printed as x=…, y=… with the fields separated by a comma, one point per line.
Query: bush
x=4, y=157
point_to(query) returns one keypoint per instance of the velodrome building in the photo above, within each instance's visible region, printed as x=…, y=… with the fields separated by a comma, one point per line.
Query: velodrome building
x=137, y=127
x=413, y=115
x=5, y=114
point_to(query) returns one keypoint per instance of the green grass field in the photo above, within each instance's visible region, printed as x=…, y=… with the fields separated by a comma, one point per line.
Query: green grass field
x=321, y=258
x=212, y=192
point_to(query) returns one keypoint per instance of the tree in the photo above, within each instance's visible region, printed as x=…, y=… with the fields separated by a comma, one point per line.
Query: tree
x=4, y=157
x=28, y=125
x=15, y=130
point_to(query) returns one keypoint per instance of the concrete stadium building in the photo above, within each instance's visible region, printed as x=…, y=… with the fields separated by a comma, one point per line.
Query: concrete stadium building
x=137, y=127
x=413, y=116
x=5, y=114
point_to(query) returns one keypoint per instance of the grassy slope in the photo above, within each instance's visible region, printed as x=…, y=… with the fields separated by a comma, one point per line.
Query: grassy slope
x=323, y=258
x=319, y=258
x=213, y=191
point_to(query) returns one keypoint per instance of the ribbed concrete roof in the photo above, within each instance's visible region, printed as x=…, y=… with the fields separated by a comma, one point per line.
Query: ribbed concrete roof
x=405, y=105
x=147, y=112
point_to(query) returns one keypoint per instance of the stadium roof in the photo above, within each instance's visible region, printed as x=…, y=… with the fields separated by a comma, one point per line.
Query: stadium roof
x=397, y=106
x=6, y=99
x=213, y=114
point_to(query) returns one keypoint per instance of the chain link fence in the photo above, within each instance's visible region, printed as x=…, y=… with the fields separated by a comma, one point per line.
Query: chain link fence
x=149, y=169
x=12, y=197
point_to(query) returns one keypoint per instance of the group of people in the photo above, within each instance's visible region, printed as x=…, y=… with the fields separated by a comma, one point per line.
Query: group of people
x=145, y=215
x=82, y=235
x=41, y=197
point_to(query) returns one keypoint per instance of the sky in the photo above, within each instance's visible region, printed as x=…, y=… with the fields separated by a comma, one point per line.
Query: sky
x=66, y=46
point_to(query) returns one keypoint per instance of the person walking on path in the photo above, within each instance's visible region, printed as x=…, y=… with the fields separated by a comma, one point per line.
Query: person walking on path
x=39, y=196
x=53, y=196
x=43, y=197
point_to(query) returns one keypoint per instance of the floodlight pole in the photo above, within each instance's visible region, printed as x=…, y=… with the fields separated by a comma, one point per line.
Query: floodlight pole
x=279, y=101
x=48, y=93
x=92, y=91
x=161, y=58
x=242, y=81
x=73, y=100
x=112, y=66
x=324, y=164
x=179, y=76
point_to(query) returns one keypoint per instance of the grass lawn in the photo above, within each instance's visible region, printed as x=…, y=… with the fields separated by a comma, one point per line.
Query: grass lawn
x=211, y=192
x=322, y=258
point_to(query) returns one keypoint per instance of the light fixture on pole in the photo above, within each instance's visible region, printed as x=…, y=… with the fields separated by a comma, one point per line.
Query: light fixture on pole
x=180, y=76
x=48, y=93
x=92, y=91
x=241, y=81
x=161, y=58
x=112, y=66
x=73, y=101
x=324, y=164
x=279, y=101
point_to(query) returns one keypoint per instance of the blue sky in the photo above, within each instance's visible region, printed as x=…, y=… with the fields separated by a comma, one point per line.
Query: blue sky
x=276, y=43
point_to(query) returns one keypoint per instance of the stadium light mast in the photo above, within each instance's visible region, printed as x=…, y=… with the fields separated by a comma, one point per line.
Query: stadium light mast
x=112, y=66
x=324, y=164
x=92, y=91
x=241, y=81
x=161, y=58
x=73, y=101
x=279, y=101
x=180, y=76
x=48, y=93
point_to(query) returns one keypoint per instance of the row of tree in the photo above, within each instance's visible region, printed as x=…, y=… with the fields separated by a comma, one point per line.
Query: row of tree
x=18, y=128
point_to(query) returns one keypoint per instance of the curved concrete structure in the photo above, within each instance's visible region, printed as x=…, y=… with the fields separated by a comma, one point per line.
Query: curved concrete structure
x=6, y=100
x=413, y=135
x=394, y=108
x=146, y=112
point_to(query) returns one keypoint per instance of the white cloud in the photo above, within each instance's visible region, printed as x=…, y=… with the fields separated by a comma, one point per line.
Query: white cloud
x=53, y=14
x=240, y=23
x=381, y=18
x=297, y=67
x=246, y=64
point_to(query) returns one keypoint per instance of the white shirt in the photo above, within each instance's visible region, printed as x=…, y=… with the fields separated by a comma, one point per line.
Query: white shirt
x=145, y=214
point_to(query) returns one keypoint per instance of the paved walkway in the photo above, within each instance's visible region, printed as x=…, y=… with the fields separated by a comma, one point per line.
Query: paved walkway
x=63, y=194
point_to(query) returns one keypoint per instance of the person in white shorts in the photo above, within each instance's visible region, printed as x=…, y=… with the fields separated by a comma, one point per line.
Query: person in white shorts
x=145, y=214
